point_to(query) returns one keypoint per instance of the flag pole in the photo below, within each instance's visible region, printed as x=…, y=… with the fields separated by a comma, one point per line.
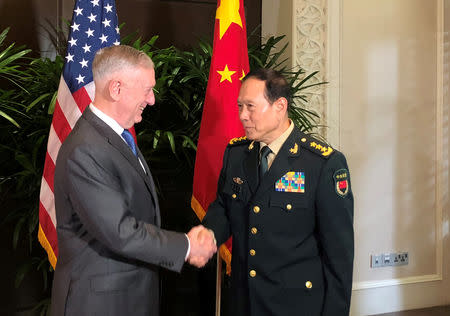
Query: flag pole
x=218, y=284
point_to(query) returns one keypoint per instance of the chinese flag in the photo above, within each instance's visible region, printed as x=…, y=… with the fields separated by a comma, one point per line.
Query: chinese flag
x=220, y=119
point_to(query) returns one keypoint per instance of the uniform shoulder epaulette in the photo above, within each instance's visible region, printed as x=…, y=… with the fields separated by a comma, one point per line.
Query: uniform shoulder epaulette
x=238, y=141
x=320, y=148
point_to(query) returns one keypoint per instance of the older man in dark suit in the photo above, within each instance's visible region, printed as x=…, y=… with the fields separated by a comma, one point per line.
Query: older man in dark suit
x=286, y=200
x=110, y=241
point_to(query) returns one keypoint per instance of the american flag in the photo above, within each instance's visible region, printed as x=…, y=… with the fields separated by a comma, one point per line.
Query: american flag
x=94, y=25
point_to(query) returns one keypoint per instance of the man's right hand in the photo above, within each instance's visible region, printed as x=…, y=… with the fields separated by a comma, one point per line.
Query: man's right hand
x=203, y=245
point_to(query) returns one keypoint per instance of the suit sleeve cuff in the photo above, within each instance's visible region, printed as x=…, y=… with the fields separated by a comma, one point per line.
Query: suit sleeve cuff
x=189, y=248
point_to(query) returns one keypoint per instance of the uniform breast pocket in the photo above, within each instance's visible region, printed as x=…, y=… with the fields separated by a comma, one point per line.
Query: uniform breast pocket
x=289, y=201
x=235, y=192
x=290, y=212
x=235, y=201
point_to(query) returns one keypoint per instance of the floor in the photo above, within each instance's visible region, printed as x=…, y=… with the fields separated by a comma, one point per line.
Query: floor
x=434, y=311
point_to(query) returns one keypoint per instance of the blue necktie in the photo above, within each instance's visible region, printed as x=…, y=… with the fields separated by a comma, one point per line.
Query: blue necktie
x=130, y=140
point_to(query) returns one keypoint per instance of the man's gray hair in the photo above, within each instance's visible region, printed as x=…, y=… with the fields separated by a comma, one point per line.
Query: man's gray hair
x=109, y=60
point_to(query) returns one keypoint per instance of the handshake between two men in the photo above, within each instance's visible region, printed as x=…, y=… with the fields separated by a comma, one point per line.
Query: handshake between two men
x=203, y=245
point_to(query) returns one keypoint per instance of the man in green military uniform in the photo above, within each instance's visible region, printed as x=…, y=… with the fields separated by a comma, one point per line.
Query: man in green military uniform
x=286, y=200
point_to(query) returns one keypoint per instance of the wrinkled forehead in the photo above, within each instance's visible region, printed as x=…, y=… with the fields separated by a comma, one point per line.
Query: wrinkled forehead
x=142, y=76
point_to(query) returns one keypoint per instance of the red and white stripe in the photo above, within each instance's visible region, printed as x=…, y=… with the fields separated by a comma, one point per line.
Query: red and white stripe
x=68, y=110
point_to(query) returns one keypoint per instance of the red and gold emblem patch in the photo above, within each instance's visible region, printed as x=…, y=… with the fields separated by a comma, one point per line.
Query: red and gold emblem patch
x=341, y=182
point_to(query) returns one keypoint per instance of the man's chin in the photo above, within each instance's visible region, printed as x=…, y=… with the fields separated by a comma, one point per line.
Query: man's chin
x=250, y=136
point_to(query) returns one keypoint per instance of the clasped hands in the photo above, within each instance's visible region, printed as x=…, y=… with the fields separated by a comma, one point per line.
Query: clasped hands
x=203, y=245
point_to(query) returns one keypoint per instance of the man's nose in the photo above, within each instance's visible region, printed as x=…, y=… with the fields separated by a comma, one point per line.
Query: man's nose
x=243, y=113
x=150, y=98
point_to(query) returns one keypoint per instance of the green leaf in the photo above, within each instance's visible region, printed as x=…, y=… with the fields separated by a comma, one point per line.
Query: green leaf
x=171, y=139
x=37, y=101
x=9, y=118
x=153, y=40
x=3, y=35
x=312, y=85
x=189, y=143
x=24, y=161
x=17, y=229
x=156, y=138
x=180, y=100
x=12, y=58
x=308, y=77
x=6, y=51
x=21, y=273
x=51, y=106
x=43, y=306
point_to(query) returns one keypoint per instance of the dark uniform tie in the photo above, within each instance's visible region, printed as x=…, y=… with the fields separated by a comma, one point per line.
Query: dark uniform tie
x=130, y=140
x=264, y=165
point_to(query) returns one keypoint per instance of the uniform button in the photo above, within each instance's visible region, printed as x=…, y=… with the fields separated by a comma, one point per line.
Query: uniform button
x=303, y=140
x=256, y=209
x=252, y=273
x=252, y=252
x=234, y=196
x=254, y=230
x=308, y=284
x=288, y=207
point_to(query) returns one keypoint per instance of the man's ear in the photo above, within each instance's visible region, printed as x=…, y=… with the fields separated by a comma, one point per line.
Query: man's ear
x=281, y=104
x=114, y=89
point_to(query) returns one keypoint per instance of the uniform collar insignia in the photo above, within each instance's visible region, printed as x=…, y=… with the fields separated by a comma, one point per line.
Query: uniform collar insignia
x=318, y=147
x=322, y=148
x=294, y=149
x=238, y=180
x=237, y=140
x=250, y=147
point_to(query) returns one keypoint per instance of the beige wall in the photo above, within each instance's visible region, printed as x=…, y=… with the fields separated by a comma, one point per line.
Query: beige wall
x=387, y=109
x=392, y=127
x=277, y=17
x=388, y=130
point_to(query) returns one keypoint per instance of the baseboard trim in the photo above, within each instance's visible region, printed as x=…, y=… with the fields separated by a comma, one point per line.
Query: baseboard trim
x=399, y=281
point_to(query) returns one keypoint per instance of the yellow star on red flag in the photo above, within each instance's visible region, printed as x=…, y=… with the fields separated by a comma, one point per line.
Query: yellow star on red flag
x=228, y=13
x=243, y=75
x=226, y=74
x=220, y=119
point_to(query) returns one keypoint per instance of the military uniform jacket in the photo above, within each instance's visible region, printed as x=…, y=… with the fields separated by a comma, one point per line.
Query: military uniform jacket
x=293, y=241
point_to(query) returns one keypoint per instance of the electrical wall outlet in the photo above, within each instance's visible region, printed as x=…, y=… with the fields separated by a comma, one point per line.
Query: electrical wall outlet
x=403, y=258
x=389, y=259
x=376, y=261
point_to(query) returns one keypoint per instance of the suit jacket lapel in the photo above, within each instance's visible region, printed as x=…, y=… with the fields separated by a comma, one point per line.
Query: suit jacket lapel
x=117, y=142
x=251, y=162
x=283, y=161
x=152, y=188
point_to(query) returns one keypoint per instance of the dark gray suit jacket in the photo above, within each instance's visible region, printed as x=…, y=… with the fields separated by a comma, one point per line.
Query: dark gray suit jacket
x=108, y=225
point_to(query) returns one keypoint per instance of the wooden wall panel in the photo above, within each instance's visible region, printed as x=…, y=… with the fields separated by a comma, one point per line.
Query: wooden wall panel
x=178, y=22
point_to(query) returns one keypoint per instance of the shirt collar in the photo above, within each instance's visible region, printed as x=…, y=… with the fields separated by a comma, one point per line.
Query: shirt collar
x=275, y=146
x=107, y=119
